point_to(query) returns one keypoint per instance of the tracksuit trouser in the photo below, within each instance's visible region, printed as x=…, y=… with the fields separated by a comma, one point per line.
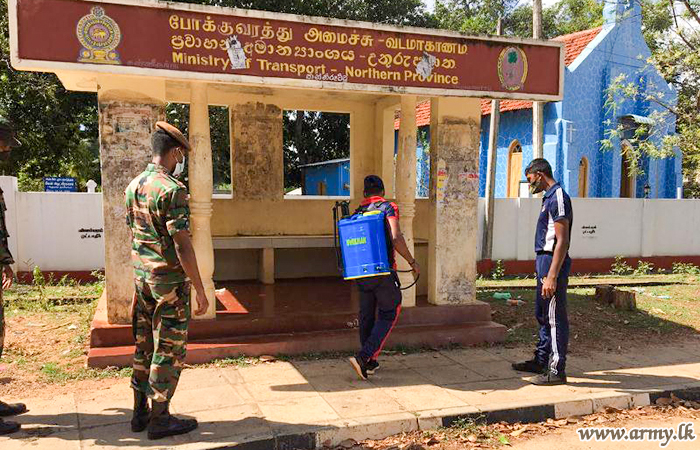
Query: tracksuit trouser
x=552, y=316
x=380, y=305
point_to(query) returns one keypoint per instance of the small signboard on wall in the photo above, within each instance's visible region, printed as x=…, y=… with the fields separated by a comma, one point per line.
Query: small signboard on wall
x=60, y=184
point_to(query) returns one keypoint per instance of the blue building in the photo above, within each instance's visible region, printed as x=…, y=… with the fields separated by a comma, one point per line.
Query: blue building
x=575, y=126
x=327, y=178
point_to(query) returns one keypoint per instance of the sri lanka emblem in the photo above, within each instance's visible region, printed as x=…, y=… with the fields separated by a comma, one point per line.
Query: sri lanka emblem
x=100, y=36
x=512, y=68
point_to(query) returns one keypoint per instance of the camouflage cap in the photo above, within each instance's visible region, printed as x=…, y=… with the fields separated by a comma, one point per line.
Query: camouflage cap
x=7, y=133
x=174, y=133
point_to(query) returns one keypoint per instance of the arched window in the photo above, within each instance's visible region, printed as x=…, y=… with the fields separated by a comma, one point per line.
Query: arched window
x=628, y=182
x=583, y=177
x=515, y=169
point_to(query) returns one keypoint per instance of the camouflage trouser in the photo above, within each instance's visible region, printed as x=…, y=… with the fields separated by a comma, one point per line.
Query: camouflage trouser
x=160, y=320
x=2, y=323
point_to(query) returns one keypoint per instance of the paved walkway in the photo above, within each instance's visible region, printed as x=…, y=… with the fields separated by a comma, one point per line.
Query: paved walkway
x=315, y=402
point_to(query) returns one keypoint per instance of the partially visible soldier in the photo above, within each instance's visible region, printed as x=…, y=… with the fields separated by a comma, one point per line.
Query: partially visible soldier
x=157, y=213
x=7, y=141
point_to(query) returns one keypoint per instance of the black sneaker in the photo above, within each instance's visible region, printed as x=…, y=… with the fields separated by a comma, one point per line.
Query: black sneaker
x=359, y=366
x=12, y=409
x=372, y=366
x=531, y=366
x=549, y=379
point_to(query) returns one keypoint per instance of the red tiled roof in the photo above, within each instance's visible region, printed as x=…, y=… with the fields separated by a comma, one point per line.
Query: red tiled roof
x=422, y=115
x=574, y=44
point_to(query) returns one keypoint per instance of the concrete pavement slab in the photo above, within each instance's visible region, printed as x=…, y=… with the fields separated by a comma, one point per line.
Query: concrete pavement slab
x=453, y=374
x=59, y=413
x=307, y=410
x=208, y=398
x=357, y=404
x=426, y=360
x=24, y=440
x=104, y=407
x=470, y=356
x=232, y=375
x=200, y=378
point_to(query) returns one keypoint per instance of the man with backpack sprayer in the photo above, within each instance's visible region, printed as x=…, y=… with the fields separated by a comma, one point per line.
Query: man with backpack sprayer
x=380, y=296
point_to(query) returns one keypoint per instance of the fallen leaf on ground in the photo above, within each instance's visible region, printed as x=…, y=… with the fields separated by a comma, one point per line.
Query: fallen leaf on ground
x=663, y=401
x=348, y=443
x=517, y=433
x=268, y=358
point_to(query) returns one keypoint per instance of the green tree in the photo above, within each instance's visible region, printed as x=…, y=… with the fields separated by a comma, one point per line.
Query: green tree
x=321, y=137
x=672, y=31
x=481, y=16
x=58, y=129
x=396, y=12
x=178, y=114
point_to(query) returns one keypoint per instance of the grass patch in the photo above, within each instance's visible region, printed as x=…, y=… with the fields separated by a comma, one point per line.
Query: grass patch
x=61, y=374
x=234, y=361
x=668, y=311
x=471, y=430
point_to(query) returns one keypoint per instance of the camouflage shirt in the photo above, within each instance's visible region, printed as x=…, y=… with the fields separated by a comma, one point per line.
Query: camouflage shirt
x=5, y=255
x=156, y=209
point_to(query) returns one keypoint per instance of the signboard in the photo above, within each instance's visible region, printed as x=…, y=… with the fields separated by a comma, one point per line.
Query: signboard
x=60, y=184
x=235, y=45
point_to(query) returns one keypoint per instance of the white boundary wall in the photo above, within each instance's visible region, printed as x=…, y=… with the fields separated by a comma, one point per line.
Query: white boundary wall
x=53, y=230
x=62, y=231
x=603, y=228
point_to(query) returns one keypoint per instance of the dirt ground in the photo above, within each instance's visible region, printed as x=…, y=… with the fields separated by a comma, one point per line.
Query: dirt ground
x=664, y=313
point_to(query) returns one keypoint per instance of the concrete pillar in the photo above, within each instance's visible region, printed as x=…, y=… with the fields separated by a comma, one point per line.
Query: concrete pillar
x=201, y=179
x=406, y=188
x=384, y=143
x=537, y=130
x=127, y=118
x=266, y=272
x=454, y=195
x=257, y=158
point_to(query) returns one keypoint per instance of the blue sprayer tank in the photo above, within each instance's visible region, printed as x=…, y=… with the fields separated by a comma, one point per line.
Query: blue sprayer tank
x=363, y=245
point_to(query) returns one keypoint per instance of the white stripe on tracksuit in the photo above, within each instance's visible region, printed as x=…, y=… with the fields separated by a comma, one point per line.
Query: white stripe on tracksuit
x=550, y=237
x=553, y=334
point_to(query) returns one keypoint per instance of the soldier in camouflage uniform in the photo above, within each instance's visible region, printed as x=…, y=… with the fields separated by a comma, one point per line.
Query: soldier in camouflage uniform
x=7, y=141
x=157, y=214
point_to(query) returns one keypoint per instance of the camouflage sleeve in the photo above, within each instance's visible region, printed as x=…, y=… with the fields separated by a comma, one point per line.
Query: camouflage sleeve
x=5, y=255
x=177, y=214
x=128, y=195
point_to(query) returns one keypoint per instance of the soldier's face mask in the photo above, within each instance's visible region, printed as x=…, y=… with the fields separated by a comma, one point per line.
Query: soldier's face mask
x=180, y=166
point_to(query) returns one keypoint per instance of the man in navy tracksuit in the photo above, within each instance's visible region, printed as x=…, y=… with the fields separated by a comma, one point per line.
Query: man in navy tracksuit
x=552, y=267
x=380, y=296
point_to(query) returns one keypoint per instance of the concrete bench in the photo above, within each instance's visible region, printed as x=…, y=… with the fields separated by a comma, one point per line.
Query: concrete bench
x=268, y=244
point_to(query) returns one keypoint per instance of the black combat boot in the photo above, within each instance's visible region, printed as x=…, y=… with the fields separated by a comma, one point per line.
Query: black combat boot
x=142, y=413
x=12, y=409
x=8, y=427
x=162, y=424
